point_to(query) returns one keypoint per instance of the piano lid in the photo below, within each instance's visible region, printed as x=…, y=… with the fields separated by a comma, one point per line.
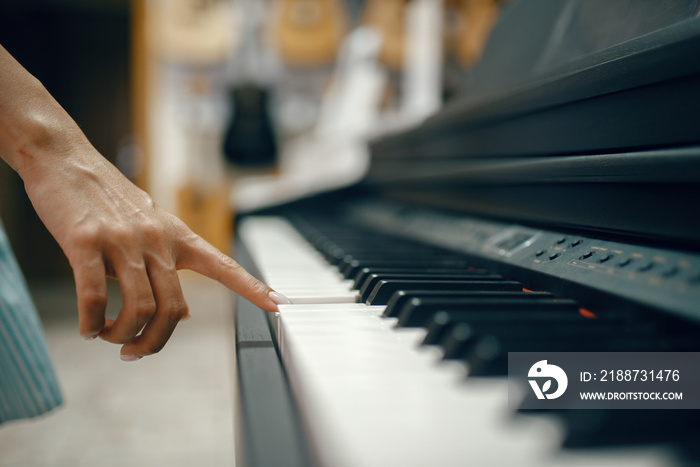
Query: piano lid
x=581, y=114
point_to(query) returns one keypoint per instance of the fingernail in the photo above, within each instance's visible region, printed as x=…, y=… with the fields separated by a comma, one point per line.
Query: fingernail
x=130, y=358
x=279, y=299
x=90, y=337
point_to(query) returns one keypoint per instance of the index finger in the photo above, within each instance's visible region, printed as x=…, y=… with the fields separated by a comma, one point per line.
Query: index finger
x=202, y=257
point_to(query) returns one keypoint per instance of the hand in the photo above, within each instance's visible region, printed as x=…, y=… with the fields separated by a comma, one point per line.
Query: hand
x=107, y=226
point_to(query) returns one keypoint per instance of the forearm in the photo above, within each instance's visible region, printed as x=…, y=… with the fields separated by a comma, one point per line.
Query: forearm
x=34, y=129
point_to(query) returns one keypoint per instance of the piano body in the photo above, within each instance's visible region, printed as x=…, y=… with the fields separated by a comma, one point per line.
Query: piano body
x=554, y=207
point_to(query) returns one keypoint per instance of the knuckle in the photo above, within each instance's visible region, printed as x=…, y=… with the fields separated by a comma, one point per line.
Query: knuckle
x=93, y=300
x=225, y=267
x=176, y=308
x=229, y=267
x=144, y=309
x=256, y=285
x=162, y=261
x=121, y=234
x=152, y=232
x=228, y=264
x=179, y=225
x=87, y=236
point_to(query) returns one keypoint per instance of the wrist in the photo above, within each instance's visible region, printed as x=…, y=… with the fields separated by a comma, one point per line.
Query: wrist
x=40, y=140
x=34, y=129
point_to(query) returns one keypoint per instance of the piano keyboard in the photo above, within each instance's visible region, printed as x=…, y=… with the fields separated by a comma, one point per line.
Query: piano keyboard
x=370, y=394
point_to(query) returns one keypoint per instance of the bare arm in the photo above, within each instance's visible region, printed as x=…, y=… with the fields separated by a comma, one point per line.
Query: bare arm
x=105, y=225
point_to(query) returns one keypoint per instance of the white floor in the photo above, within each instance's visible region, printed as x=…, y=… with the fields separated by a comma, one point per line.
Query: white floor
x=172, y=409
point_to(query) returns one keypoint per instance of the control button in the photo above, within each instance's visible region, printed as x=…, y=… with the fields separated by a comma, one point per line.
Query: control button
x=576, y=243
x=540, y=253
x=646, y=267
x=671, y=272
x=605, y=258
x=561, y=240
x=625, y=263
x=554, y=256
x=586, y=255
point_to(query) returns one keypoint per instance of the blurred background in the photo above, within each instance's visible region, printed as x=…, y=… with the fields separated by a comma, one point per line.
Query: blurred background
x=216, y=107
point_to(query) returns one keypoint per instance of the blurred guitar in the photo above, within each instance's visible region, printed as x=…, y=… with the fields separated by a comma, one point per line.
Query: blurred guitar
x=307, y=33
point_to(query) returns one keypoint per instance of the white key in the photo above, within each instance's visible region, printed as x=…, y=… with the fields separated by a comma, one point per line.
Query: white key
x=310, y=296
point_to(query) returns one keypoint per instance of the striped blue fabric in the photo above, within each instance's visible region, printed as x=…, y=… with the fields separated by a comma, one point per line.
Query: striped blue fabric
x=28, y=385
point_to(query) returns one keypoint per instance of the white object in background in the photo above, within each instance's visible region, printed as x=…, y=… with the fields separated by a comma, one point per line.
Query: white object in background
x=422, y=93
x=351, y=105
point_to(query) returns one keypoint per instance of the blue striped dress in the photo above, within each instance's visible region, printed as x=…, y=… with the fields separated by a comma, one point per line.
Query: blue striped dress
x=28, y=385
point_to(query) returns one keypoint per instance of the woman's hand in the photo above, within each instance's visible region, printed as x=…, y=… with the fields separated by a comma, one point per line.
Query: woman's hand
x=105, y=225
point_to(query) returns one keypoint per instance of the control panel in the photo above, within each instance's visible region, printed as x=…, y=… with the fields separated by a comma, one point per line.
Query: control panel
x=658, y=277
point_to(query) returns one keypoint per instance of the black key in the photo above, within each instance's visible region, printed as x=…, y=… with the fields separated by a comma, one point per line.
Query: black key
x=351, y=270
x=377, y=257
x=437, y=299
x=459, y=341
x=444, y=321
x=382, y=255
x=341, y=256
x=369, y=283
x=418, y=312
x=383, y=289
x=336, y=247
x=362, y=276
x=498, y=317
